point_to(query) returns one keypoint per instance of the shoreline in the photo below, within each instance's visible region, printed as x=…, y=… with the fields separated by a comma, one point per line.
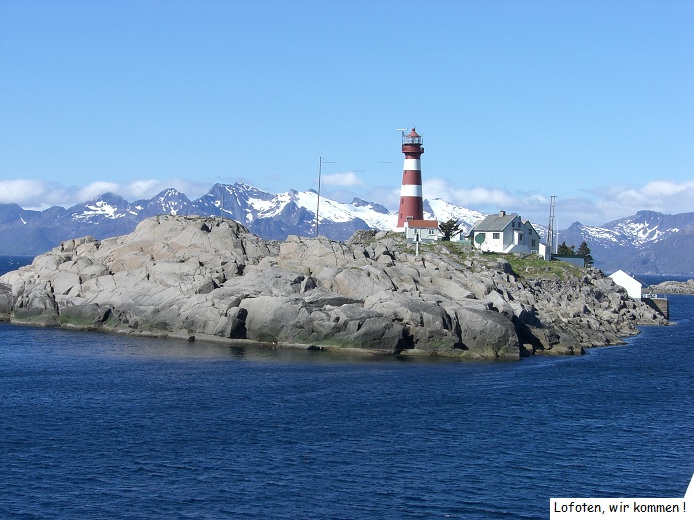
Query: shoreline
x=357, y=352
x=200, y=279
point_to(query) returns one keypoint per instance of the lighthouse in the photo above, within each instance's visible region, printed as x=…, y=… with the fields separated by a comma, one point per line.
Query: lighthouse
x=411, y=191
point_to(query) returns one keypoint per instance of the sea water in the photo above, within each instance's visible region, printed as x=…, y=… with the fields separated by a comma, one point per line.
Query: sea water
x=105, y=426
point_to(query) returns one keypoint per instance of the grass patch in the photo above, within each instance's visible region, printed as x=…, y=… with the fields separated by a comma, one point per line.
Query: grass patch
x=528, y=266
x=456, y=248
x=531, y=266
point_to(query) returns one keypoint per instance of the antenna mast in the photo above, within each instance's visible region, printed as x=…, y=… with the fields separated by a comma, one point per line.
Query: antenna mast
x=321, y=162
x=550, y=228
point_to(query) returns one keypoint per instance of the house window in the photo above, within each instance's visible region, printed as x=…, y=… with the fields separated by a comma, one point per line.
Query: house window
x=432, y=231
x=495, y=236
x=532, y=243
x=520, y=238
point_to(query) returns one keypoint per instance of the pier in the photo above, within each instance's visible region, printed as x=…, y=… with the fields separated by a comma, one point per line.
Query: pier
x=660, y=304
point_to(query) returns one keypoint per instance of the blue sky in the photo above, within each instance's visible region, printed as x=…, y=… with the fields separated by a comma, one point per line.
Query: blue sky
x=591, y=101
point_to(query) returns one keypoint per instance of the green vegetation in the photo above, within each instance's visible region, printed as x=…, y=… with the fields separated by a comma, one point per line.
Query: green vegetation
x=79, y=322
x=563, y=249
x=456, y=248
x=530, y=266
x=524, y=266
x=583, y=250
x=449, y=228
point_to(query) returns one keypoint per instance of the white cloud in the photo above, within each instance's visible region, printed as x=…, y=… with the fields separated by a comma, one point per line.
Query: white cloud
x=664, y=196
x=33, y=193
x=594, y=207
x=21, y=191
x=141, y=188
x=95, y=189
x=39, y=195
x=342, y=179
x=387, y=196
x=492, y=199
x=148, y=188
x=668, y=188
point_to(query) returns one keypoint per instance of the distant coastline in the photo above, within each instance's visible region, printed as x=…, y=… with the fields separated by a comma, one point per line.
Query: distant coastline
x=673, y=287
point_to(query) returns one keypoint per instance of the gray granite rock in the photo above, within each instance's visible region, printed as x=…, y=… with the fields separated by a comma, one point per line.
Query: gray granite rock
x=182, y=276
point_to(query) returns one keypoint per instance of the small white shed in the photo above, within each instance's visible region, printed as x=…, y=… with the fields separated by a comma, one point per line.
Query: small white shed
x=422, y=230
x=631, y=284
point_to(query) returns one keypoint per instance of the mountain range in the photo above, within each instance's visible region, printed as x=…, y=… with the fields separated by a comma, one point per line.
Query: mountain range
x=645, y=243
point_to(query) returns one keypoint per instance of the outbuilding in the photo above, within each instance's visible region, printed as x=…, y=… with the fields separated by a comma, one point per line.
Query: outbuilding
x=422, y=230
x=631, y=284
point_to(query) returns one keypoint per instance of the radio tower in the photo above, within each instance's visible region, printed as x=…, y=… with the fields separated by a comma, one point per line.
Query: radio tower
x=550, y=228
x=411, y=206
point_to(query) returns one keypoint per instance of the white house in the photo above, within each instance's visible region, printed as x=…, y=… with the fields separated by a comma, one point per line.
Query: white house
x=504, y=233
x=422, y=230
x=631, y=284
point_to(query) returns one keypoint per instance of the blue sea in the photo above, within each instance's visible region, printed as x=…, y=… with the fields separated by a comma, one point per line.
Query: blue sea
x=105, y=426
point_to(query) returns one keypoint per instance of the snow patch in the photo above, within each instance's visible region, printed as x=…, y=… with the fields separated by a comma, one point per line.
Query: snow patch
x=101, y=208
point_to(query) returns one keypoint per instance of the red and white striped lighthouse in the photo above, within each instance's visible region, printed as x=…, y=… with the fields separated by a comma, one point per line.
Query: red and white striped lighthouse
x=411, y=191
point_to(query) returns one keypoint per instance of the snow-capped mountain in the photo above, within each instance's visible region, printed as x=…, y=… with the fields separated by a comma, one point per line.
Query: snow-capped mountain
x=645, y=243
x=171, y=202
x=275, y=216
x=443, y=211
x=272, y=216
x=650, y=226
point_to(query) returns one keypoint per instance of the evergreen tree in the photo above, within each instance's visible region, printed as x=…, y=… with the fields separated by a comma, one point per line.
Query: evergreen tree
x=449, y=228
x=584, y=251
x=563, y=249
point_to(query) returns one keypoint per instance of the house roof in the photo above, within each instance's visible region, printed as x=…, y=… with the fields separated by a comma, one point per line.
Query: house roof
x=624, y=275
x=493, y=222
x=412, y=223
x=529, y=224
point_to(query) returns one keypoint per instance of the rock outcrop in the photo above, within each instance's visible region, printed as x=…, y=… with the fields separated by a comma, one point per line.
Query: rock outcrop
x=673, y=287
x=194, y=277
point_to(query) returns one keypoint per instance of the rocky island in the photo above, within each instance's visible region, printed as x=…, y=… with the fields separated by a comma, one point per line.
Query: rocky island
x=673, y=287
x=206, y=278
